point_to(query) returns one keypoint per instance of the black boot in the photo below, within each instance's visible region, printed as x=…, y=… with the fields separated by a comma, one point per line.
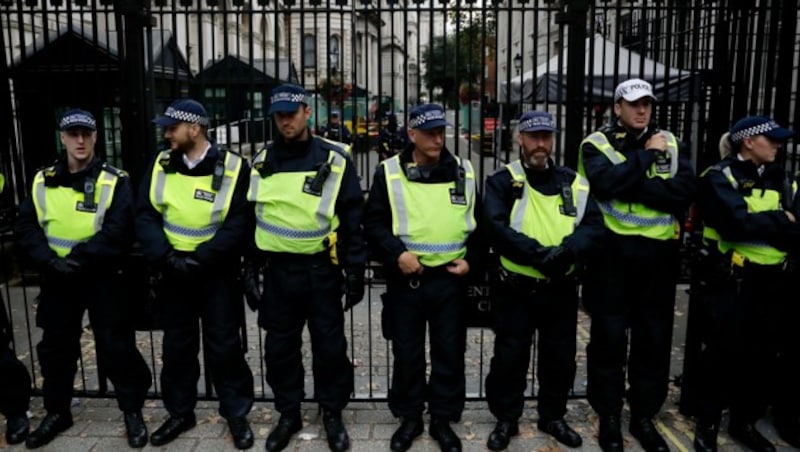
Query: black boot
x=17, y=427
x=171, y=428
x=51, y=426
x=705, y=437
x=788, y=430
x=288, y=425
x=135, y=429
x=440, y=431
x=645, y=431
x=241, y=432
x=411, y=428
x=610, y=435
x=747, y=434
x=561, y=431
x=501, y=435
x=338, y=440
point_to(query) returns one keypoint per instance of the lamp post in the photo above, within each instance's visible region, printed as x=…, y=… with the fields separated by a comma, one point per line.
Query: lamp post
x=518, y=62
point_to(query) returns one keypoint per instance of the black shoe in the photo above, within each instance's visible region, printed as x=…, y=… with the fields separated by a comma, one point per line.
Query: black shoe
x=750, y=437
x=51, y=426
x=645, y=431
x=17, y=428
x=501, y=435
x=279, y=437
x=337, y=435
x=561, y=431
x=136, y=429
x=610, y=435
x=411, y=428
x=241, y=432
x=705, y=437
x=440, y=431
x=789, y=432
x=171, y=428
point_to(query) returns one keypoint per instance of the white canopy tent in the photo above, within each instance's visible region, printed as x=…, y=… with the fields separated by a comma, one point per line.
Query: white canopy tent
x=604, y=60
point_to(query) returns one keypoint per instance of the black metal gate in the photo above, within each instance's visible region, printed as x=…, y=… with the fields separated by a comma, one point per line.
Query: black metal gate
x=711, y=62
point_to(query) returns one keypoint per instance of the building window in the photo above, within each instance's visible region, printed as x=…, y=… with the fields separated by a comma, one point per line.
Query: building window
x=309, y=51
x=215, y=102
x=333, y=52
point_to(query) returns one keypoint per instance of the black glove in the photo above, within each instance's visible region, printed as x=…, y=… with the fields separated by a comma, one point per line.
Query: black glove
x=556, y=262
x=252, y=285
x=63, y=267
x=353, y=290
x=181, y=266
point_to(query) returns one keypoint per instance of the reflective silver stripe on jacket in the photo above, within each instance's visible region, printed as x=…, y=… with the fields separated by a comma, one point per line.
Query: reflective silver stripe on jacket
x=99, y=214
x=516, y=169
x=393, y=168
x=329, y=193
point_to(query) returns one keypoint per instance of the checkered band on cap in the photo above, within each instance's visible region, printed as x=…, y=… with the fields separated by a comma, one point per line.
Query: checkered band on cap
x=424, y=117
x=77, y=119
x=538, y=121
x=186, y=116
x=758, y=129
x=285, y=96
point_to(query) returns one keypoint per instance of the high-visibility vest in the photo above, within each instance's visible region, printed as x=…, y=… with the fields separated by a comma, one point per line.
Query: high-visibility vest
x=758, y=252
x=64, y=216
x=541, y=216
x=432, y=220
x=290, y=217
x=634, y=218
x=192, y=209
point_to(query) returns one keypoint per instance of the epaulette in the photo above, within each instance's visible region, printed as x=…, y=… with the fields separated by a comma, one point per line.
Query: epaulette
x=719, y=166
x=114, y=170
x=49, y=171
x=565, y=170
x=607, y=128
x=500, y=169
x=328, y=146
x=231, y=151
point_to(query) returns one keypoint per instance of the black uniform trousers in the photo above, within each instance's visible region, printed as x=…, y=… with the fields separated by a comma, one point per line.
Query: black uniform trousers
x=62, y=304
x=434, y=300
x=748, y=323
x=521, y=308
x=15, y=382
x=213, y=300
x=300, y=289
x=629, y=292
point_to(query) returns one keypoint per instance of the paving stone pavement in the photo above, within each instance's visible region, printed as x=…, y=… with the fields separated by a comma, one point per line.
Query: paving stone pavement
x=98, y=427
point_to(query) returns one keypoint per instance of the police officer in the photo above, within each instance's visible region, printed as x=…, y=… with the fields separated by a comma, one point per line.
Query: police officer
x=15, y=385
x=745, y=202
x=76, y=227
x=15, y=382
x=308, y=238
x=335, y=130
x=643, y=181
x=541, y=220
x=192, y=217
x=392, y=138
x=426, y=263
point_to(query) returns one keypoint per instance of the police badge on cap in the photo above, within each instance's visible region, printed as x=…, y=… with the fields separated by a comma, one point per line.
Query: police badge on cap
x=75, y=118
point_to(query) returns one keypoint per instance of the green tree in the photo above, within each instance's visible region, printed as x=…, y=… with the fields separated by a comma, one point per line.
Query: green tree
x=455, y=63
